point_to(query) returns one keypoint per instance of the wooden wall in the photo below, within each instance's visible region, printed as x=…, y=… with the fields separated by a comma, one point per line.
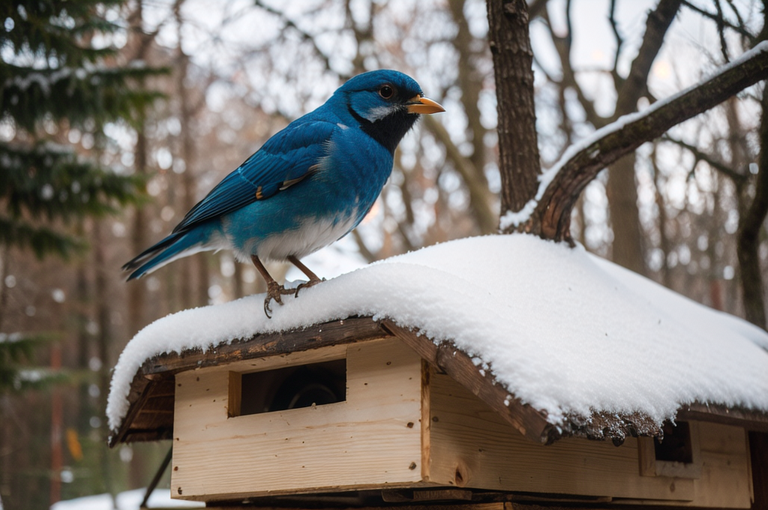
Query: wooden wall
x=403, y=425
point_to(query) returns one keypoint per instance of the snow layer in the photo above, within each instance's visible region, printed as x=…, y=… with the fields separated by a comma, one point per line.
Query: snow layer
x=562, y=330
x=129, y=500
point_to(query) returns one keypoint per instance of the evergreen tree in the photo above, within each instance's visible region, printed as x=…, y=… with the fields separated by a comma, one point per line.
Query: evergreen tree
x=59, y=71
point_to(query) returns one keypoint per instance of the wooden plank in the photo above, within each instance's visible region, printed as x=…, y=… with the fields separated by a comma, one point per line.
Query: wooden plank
x=335, y=447
x=235, y=393
x=426, y=374
x=473, y=447
x=160, y=369
x=646, y=456
x=752, y=420
x=272, y=344
x=459, y=366
x=140, y=389
x=460, y=506
x=725, y=476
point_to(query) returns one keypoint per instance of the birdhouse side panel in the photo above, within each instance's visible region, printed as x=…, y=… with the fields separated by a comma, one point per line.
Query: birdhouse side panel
x=471, y=446
x=370, y=439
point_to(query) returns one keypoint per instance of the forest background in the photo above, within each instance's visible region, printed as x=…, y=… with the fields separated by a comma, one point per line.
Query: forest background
x=154, y=101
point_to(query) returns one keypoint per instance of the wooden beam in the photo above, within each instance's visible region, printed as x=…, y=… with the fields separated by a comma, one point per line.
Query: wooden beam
x=749, y=419
x=337, y=332
x=140, y=389
x=459, y=366
x=155, y=372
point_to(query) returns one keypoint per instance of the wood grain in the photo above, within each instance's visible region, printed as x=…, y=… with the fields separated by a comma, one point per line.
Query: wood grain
x=459, y=366
x=473, y=447
x=372, y=438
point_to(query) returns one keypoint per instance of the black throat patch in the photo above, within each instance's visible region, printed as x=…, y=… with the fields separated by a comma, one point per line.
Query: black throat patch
x=389, y=130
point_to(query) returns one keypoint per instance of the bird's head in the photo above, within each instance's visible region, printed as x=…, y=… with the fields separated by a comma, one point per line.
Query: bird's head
x=385, y=104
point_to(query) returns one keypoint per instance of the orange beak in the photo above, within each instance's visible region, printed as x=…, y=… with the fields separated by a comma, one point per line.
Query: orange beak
x=423, y=106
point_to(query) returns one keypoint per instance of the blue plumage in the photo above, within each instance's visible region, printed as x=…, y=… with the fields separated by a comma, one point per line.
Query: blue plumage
x=308, y=185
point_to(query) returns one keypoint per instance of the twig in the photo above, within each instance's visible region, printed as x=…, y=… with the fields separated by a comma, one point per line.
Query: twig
x=702, y=156
x=720, y=22
x=740, y=29
x=562, y=185
x=478, y=193
x=304, y=35
x=617, y=79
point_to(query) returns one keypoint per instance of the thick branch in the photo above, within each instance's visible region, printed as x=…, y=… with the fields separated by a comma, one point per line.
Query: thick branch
x=551, y=214
x=510, y=45
x=656, y=27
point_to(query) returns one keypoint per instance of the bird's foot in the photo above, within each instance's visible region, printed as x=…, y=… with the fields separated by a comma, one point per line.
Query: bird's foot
x=275, y=291
x=306, y=285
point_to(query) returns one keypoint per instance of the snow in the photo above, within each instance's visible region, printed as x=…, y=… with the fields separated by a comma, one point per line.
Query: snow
x=562, y=330
x=129, y=500
x=516, y=218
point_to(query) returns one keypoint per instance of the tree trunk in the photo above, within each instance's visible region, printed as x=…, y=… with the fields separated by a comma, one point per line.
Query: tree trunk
x=751, y=223
x=510, y=45
x=749, y=233
x=627, y=246
x=628, y=250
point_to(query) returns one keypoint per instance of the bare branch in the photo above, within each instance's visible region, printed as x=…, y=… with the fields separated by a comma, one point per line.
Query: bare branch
x=478, y=191
x=617, y=79
x=720, y=22
x=551, y=213
x=706, y=158
x=656, y=27
x=310, y=38
x=569, y=76
x=740, y=29
x=536, y=8
x=364, y=251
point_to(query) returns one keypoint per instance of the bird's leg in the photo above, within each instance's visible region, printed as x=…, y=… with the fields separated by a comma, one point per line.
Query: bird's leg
x=274, y=289
x=313, y=278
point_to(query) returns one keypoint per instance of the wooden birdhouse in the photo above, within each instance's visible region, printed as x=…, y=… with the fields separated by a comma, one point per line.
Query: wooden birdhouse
x=369, y=412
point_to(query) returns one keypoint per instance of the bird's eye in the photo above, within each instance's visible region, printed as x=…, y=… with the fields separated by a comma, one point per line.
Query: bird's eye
x=386, y=91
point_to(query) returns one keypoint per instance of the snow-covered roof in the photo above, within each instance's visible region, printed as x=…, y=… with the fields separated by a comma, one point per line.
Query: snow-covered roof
x=563, y=331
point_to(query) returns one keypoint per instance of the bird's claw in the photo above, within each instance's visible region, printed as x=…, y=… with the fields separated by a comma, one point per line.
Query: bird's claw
x=274, y=291
x=306, y=285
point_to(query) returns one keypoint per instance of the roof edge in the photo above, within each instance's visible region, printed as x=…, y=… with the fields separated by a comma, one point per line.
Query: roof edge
x=445, y=356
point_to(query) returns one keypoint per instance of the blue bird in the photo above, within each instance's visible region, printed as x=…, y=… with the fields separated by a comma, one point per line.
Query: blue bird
x=308, y=186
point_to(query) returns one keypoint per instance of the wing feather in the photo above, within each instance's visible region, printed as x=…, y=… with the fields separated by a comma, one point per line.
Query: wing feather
x=287, y=158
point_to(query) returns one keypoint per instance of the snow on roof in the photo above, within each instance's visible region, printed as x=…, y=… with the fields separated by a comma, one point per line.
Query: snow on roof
x=563, y=330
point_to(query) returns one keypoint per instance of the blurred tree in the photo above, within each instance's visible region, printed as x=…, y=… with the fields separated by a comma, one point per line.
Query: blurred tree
x=57, y=76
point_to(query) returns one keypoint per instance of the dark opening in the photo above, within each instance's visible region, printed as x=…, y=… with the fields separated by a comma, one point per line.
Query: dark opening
x=293, y=387
x=676, y=445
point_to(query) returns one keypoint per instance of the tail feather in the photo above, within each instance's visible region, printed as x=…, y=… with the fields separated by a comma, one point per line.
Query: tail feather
x=176, y=245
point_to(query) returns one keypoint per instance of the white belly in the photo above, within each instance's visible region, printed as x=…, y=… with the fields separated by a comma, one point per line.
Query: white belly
x=308, y=238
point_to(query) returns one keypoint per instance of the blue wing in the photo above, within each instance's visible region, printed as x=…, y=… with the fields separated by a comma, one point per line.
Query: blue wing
x=287, y=158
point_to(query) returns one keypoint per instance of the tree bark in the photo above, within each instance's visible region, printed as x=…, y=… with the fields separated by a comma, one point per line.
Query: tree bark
x=510, y=44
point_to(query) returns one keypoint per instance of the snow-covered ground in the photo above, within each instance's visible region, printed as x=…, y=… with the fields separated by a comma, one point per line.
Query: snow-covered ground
x=563, y=330
x=129, y=500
